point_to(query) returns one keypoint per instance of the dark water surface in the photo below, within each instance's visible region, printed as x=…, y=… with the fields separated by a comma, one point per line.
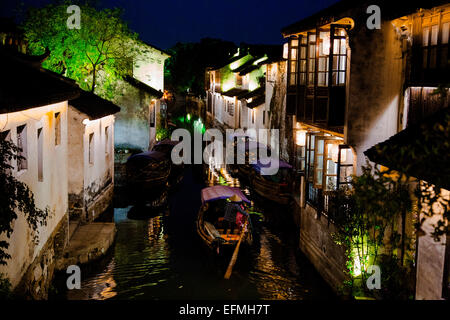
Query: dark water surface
x=161, y=257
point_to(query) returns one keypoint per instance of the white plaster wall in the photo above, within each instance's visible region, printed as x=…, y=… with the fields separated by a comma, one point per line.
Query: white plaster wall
x=375, y=89
x=51, y=192
x=96, y=174
x=430, y=260
x=149, y=68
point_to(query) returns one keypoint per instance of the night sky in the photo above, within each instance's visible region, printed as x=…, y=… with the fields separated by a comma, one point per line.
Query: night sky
x=164, y=23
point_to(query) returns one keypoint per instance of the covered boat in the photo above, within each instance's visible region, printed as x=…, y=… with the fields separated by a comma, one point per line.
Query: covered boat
x=273, y=187
x=147, y=175
x=210, y=224
x=176, y=173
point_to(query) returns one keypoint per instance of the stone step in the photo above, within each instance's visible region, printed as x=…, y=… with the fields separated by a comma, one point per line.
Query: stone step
x=88, y=242
x=73, y=225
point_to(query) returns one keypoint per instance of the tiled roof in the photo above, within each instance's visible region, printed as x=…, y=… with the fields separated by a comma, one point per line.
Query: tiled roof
x=421, y=150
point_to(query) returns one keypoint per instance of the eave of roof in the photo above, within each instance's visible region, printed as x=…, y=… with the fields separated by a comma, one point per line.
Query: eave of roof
x=94, y=106
x=257, y=92
x=234, y=92
x=256, y=102
x=421, y=150
x=390, y=10
x=23, y=85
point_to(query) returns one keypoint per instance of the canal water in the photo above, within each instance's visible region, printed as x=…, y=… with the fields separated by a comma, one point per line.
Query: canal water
x=158, y=255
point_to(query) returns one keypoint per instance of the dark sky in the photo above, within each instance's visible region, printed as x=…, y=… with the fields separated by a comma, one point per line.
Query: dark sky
x=166, y=22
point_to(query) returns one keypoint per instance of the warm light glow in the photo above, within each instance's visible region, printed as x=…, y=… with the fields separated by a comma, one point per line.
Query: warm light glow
x=300, y=138
x=286, y=50
x=260, y=60
x=335, y=154
x=326, y=45
x=86, y=122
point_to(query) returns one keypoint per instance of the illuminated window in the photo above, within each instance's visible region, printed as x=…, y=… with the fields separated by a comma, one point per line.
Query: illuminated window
x=292, y=72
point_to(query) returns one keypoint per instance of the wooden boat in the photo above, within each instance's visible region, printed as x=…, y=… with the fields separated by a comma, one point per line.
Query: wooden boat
x=272, y=187
x=210, y=224
x=176, y=173
x=147, y=175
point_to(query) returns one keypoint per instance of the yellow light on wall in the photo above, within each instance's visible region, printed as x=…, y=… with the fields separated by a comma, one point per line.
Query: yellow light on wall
x=300, y=138
x=86, y=122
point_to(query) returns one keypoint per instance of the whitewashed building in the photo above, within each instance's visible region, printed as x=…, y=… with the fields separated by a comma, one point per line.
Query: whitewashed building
x=90, y=156
x=33, y=115
x=140, y=100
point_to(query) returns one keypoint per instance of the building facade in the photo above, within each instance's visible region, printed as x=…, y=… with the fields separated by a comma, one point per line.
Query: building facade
x=34, y=115
x=139, y=97
x=90, y=156
x=349, y=88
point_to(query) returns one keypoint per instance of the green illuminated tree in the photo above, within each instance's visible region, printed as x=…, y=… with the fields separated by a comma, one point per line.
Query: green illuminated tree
x=97, y=54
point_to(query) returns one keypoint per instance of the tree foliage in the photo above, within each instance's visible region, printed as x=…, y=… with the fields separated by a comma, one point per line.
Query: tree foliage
x=367, y=219
x=185, y=69
x=104, y=47
x=16, y=198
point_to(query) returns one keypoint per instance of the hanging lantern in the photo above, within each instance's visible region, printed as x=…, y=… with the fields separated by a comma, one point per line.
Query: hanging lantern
x=300, y=138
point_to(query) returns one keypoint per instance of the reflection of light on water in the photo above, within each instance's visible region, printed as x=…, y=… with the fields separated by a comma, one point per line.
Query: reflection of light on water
x=271, y=281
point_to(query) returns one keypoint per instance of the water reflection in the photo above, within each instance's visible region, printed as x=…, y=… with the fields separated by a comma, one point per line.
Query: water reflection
x=157, y=255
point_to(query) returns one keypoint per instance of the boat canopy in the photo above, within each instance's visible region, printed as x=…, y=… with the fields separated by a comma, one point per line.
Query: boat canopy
x=281, y=164
x=220, y=193
x=148, y=155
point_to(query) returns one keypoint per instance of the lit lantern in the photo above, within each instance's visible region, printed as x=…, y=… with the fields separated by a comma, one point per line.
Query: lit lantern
x=300, y=138
x=335, y=154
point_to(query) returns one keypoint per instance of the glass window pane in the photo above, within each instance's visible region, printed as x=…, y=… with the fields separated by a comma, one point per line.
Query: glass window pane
x=434, y=35
x=312, y=38
x=341, y=77
x=303, y=65
x=303, y=52
x=445, y=32
x=433, y=58
x=343, y=47
x=319, y=176
x=331, y=167
x=312, y=50
x=336, y=48
x=335, y=63
x=293, y=66
x=425, y=33
x=331, y=183
x=294, y=43
x=342, y=63
x=304, y=40
x=302, y=78
x=294, y=54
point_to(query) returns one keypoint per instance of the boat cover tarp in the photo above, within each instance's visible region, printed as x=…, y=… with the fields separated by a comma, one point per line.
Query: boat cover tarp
x=281, y=164
x=220, y=193
x=147, y=155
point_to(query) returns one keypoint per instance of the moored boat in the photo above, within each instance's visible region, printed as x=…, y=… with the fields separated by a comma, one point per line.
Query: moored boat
x=210, y=224
x=147, y=176
x=176, y=173
x=272, y=187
